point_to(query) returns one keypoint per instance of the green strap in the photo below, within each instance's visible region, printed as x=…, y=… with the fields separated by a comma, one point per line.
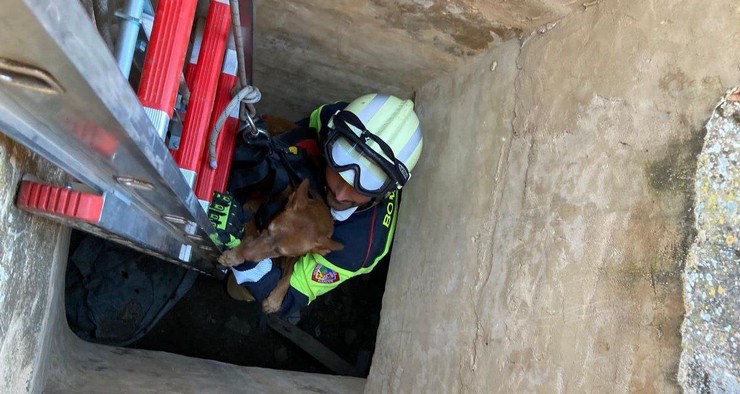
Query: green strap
x=314, y=121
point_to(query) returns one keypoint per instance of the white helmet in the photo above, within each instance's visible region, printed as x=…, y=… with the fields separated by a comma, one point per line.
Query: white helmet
x=374, y=143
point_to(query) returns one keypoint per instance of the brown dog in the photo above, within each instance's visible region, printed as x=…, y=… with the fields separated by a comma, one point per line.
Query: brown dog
x=304, y=226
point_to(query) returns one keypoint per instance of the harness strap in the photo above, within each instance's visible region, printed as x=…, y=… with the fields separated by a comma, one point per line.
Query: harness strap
x=271, y=164
x=249, y=165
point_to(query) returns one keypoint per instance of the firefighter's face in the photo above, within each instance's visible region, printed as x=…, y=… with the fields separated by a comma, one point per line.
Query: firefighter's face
x=340, y=195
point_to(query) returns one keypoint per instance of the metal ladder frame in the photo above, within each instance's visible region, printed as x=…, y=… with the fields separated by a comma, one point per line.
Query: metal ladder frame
x=63, y=97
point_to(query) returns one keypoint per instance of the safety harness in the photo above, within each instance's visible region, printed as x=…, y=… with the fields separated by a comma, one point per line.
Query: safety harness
x=268, y=165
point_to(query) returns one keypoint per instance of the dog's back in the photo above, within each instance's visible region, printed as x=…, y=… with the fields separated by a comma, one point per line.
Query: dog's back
x=304, y=226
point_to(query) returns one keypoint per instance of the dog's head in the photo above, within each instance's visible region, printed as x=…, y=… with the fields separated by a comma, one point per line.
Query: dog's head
x=304, y=226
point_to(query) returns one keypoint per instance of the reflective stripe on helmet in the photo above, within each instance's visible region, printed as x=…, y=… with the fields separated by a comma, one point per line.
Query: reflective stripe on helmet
x=372, y=108
x=410, y=146
x=391, y=120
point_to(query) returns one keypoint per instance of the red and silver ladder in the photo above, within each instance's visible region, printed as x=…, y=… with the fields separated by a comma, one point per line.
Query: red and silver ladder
x=62, y=96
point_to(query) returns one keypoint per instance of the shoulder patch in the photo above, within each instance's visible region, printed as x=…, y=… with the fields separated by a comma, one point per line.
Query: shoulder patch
x=323, y=274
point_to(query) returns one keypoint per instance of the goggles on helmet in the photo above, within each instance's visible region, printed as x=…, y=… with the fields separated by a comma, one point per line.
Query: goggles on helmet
x=344, y=148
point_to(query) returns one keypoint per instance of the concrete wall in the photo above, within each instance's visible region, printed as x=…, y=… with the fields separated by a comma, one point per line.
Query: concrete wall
x=309, y=53
x=27, y=246
x=79, y=367
x=542, y=239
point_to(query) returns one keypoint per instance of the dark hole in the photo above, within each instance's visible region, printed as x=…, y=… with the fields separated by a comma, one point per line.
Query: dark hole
x=344, y=320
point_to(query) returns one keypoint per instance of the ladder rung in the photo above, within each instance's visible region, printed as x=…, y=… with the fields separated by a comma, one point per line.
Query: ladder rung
x=112, y=218
x=43, y=198
x=226, y=154
x=203, y=91
x=104, y=139
x=165, y=56
x=200, y=26
x=206, y=182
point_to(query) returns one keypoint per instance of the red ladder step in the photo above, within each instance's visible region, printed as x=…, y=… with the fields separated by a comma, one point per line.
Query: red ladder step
x=208, y=178
x=200, y=26
x=226, y=154
x=59, y=201
x=165, y=57
x=203, y=91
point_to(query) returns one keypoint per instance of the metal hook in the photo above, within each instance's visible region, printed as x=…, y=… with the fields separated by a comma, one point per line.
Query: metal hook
x=254, y=131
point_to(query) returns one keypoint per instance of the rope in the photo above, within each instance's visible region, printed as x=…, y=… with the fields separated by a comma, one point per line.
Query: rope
x=240, y=59
x=238, y=41
x=250, y=95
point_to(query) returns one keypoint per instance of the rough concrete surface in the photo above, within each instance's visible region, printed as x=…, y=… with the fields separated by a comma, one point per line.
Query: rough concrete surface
x=309, y=53
x=710, y=361
x=552, y=261
x=81, y=367
x=27, y=245
x=543, y=236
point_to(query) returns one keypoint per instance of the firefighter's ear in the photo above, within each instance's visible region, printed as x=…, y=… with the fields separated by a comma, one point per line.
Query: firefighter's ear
x=299, y=198
x=325, y=245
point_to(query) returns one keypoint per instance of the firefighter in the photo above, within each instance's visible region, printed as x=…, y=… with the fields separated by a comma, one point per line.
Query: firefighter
x=369, y=147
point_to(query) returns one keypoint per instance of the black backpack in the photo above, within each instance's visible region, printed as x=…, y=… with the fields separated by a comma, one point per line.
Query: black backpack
x=115, y=295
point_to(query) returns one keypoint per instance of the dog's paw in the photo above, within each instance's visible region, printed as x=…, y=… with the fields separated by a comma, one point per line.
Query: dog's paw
x=230, y=258
x=271, y=304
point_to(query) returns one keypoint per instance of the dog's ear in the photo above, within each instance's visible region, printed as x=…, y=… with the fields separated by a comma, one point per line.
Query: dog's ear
x=325, y=245
x=299, y=198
